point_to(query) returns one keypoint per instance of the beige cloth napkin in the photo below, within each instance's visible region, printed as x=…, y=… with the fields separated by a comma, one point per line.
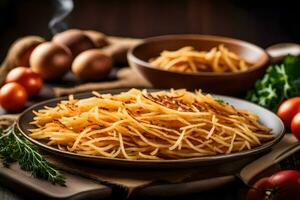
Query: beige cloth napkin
x=128, y=179
x=126, y=78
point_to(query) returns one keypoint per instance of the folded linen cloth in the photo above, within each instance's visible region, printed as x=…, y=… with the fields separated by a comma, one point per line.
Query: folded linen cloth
x=126, y=78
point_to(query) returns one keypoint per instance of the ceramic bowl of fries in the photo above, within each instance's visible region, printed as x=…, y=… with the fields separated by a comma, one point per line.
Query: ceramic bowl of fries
x=211, y=63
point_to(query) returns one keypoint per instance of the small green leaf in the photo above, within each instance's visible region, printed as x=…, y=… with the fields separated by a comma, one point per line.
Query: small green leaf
x=218, y=99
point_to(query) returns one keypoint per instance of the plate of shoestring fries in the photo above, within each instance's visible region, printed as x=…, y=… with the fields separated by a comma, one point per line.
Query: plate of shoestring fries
x=156, y=128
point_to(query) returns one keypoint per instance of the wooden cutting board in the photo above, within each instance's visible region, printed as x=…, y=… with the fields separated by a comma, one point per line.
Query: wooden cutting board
x=76, y=187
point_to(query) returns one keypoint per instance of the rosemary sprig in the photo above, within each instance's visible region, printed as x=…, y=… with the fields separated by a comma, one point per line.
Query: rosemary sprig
x=13, y=147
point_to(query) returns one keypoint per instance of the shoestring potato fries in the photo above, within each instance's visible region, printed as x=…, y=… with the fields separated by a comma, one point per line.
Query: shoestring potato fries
x=218, y=59
x=142, y=125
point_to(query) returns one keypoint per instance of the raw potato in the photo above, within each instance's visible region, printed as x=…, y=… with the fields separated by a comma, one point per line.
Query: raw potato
x=92, y=65
x=113, y=47
x=98, y=38
x=75, y=40
x=118, y=48
x=51, y=60
x=18, y=54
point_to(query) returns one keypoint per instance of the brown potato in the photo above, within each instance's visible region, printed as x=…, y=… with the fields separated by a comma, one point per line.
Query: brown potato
x=75, y=40
x=51, y=60
x=98, y=38
x=18, y=54
x=92, y=65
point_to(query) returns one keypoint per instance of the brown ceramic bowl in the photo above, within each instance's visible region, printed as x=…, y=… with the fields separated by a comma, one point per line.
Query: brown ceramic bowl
x=220, y=83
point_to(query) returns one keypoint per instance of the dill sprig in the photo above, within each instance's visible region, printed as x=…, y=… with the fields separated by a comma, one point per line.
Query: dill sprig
x=15, y=148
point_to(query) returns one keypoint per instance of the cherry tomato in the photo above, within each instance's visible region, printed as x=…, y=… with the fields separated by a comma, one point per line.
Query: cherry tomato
x=31, y=81
x=295, y=126
x=288, y=109
x=284, y=185
x=258, y=191
x=13, y=97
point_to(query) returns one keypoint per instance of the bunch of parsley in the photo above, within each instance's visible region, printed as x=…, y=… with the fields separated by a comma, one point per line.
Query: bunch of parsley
x=279, y=83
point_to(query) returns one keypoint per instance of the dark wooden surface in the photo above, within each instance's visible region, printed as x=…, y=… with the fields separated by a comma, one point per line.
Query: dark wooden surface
x=235, y=191
x=6, y=194
x=261, y=22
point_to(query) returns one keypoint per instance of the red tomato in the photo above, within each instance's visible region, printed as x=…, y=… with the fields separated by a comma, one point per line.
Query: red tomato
x=288, y=109
x=259, y=189
x=284, y=185
x=13, y=97
x=31, y=81
x=295, y=126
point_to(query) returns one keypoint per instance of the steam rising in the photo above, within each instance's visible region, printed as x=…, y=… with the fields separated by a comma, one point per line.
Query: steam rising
x=63, y=9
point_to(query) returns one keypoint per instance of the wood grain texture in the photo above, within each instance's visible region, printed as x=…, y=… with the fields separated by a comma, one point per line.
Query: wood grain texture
x=264, y=25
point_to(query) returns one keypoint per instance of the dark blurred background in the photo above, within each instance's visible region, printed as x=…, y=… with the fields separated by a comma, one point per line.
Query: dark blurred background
x=257, y=21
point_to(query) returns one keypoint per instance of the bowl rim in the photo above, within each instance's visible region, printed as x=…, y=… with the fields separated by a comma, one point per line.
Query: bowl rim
x=133, y=58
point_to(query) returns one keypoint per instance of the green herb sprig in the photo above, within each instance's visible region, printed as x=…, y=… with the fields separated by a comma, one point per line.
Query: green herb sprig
x=13, y=147
x=218, y=99
x=279, y=83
